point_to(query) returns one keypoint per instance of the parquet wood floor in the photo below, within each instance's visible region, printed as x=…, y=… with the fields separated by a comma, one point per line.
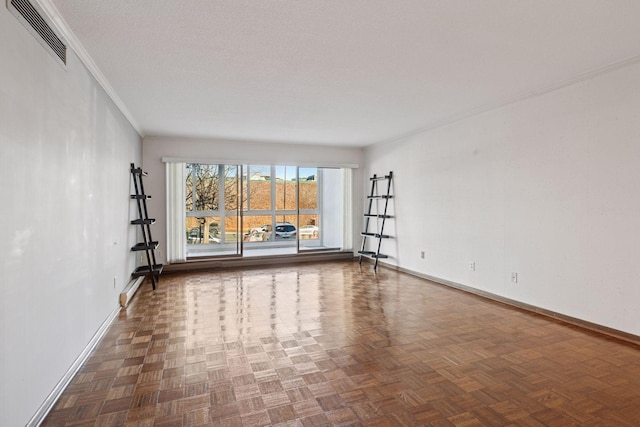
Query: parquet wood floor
x=335, y=344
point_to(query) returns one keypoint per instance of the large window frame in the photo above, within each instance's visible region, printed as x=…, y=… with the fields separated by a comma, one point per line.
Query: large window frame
x=308, y=213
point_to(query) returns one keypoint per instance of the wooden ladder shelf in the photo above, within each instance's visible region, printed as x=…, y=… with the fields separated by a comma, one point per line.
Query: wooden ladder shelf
x=380, y=215
x=148, y=245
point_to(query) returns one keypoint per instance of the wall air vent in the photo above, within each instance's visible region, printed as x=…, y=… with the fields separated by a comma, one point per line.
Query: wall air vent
x=34, y=21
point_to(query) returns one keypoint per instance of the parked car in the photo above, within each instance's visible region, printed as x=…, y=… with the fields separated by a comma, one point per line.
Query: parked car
x=309, y=232
x=285, y=230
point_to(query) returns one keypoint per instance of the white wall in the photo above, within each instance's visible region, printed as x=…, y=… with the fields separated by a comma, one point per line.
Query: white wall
x=156, y=148
x=547, y=187
x=65, y=151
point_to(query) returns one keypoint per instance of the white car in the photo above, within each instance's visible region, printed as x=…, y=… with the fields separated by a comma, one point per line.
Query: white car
x=285, y=230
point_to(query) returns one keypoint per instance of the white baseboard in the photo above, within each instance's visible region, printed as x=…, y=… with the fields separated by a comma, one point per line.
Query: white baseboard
x=48, y=403
x=127, y=294
x=585, y=324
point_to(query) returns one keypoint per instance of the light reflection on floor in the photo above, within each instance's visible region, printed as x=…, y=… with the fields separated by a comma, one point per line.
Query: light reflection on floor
x=339, y=344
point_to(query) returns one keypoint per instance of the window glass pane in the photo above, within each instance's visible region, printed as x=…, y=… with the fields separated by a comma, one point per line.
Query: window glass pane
x=203, y=230
x=189, y=187
x=286, y=228
x=245, y=192
x=285, y=187
x=231, y=228
x=231, y=187
x=309, y=226
x=206, y=183
x=260, y=187
x=308, y=188
x=257, y=228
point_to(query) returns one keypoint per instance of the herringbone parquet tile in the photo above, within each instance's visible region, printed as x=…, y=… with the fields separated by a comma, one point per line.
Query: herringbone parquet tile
x=333, y=344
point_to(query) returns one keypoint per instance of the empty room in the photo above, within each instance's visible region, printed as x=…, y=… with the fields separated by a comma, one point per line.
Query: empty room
x=319, y=213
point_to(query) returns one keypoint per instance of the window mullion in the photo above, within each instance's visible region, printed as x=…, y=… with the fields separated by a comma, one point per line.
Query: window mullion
x=194, y=189
x=248, y=188
x=273, y=199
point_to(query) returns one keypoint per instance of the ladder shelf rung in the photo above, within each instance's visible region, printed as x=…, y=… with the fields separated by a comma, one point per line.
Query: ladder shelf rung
x=144, y=246
x=376, y=235
x=383, y=196
x=140, y=196
x=371, y=254
x=379, y=178
x=145, y=270
x=366, y=252
x=378, y=216
x=143, y=221
x=138, y=171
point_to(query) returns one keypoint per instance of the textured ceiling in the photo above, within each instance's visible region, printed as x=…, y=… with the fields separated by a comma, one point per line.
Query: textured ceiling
x=342, y=72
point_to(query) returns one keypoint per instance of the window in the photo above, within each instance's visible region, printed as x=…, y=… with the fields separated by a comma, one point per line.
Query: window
x=240, y=209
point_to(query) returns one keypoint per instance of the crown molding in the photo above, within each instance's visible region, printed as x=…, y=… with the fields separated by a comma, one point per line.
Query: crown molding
x=74, y=43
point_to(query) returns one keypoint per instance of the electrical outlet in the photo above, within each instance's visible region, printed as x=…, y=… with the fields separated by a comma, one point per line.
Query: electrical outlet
x=422, y=254
x=472, y=266
x=514, y=277
x=115, y=280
